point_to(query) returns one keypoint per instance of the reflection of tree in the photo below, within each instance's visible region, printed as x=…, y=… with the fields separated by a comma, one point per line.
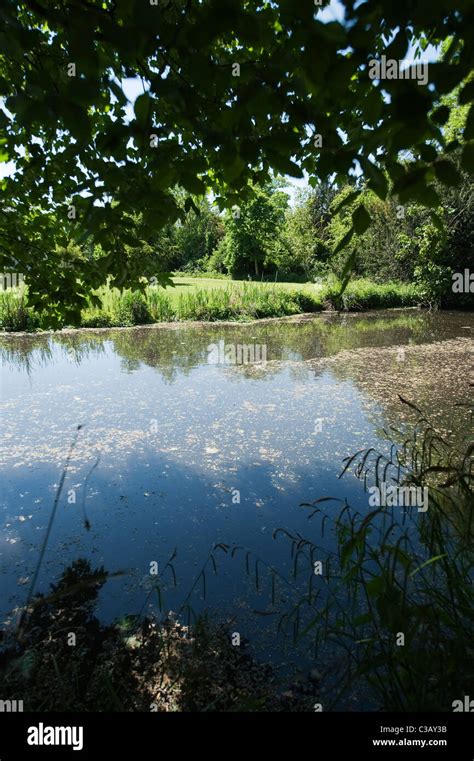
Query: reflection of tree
x=79, y=346
x=27, y=352
x=135, y=664
x=177, y=350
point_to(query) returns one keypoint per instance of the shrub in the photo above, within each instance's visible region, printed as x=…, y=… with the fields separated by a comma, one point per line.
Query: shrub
x=97, y=319
x=308, y=302
x=434, y=281
x=364, y=294
x=133, y=310
x=160, y=306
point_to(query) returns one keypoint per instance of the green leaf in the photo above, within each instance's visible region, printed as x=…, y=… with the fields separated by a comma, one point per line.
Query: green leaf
x=193, y=184
x=377, y=182
x=344, y=241
x=469, y=128
x=233, y=169
x=466, y=94
x=77, y=122
x=467, y=158
x=345, y=201
x=428, y=562
x=284, y=165
x=447, y=173
x=347, y=551
x=190, y=204
x=376, y=586
x=428, y=196
x=440, y=115
x=437, y=221
x=409, y=180
x=142, y=109
x=412, y=185
x=361, y=219
x=427, y=152
x=372, y=106
x=347, y=271
x=364, y=619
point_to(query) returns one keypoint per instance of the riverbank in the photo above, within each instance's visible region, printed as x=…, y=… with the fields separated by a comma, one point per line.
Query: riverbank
x=231, y=302
x=293, y=319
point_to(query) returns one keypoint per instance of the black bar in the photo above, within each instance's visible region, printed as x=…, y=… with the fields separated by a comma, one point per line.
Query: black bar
x=319, y=735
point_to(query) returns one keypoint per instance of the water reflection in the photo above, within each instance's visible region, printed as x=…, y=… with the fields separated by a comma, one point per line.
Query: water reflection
x=180, y=438
x=174, y=350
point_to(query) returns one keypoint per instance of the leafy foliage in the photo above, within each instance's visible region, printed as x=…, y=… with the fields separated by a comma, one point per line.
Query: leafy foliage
x=231, y=91
x=253, y=232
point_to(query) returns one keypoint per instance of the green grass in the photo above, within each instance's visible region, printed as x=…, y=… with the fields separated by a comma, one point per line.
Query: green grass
x=212, y=299
x=15, y=314
x=365, y=294
x=242, y=301
x=186, y=284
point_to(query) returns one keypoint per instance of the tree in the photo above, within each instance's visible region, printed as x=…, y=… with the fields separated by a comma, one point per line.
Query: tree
x=231, y=90
x=196, y=236
x=307, y=230
x=252, y=231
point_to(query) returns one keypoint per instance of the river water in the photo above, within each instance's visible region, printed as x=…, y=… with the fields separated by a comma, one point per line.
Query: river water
x=180, y=450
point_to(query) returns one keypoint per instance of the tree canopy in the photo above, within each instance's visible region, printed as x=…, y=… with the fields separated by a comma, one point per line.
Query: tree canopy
x=232, y=91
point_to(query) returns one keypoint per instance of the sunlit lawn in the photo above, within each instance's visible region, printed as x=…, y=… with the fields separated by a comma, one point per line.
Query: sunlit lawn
x=187, y=284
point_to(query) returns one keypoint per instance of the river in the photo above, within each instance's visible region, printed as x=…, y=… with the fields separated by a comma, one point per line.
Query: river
x=186, y=443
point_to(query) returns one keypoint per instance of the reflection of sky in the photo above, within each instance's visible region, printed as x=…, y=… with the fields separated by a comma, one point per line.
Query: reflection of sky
x=171, y=456
x=178, y=441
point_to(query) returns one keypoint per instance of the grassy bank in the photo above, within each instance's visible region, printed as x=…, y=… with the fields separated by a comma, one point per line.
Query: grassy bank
x=212, y=300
